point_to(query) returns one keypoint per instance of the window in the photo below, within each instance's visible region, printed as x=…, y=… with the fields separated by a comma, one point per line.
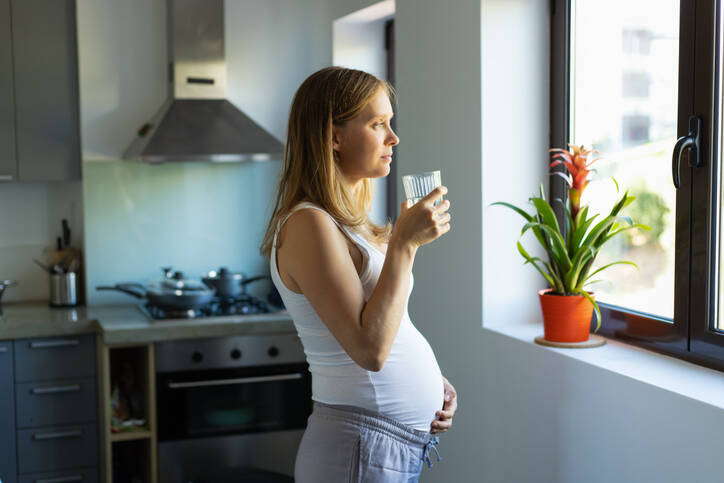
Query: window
x=627, y=78
x=635, y=84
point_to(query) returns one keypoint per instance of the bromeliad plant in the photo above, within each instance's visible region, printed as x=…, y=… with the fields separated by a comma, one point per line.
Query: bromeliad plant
x=573, y=250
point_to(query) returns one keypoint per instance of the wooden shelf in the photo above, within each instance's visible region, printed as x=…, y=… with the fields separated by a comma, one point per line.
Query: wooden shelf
x=130, y=436
x=133, y=450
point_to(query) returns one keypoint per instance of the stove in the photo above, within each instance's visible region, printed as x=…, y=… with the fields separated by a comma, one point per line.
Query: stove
x=244, y=304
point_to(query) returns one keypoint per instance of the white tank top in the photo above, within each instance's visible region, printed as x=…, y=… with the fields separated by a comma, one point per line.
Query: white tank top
x=409, y=387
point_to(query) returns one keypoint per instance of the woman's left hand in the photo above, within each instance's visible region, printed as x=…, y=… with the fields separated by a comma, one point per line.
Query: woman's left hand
x=443, y=420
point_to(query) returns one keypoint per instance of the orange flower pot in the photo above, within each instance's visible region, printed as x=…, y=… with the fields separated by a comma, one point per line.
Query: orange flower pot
x=566, y=318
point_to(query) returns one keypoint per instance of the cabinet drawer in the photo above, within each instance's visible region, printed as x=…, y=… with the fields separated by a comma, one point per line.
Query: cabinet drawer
x=54, y=358
x=7, y=412
x=57, y=448
x=57, y=402
x=85, y=475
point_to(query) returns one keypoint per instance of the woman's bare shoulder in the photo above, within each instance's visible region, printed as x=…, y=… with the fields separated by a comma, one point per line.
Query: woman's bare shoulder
x=308, y=231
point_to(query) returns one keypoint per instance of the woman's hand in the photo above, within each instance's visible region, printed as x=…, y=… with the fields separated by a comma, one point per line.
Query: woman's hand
x=443, y=420
x=422, y=222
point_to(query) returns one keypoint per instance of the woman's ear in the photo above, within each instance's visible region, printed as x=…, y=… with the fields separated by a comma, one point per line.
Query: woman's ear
x=336, y=138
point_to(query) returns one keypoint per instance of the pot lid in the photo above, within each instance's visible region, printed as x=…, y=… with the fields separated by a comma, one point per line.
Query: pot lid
x=176, y=282
x=224, y=273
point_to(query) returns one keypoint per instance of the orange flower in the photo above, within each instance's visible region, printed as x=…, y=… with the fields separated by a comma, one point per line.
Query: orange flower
x=576, y=161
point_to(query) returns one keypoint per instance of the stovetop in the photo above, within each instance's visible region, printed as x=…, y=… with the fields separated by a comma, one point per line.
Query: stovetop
x=219, y=307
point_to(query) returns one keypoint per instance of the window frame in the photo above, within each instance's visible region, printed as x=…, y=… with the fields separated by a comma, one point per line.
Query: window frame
x=696, y=228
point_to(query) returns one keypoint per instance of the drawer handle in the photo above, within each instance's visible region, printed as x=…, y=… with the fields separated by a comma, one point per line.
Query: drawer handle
x=73, y=433
x=3, y=348
x=6, y=177
x=62, y=479
x=55, y=389
x=54, y=343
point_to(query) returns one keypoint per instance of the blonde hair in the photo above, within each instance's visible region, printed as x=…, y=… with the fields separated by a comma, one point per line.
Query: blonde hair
x=330, y=96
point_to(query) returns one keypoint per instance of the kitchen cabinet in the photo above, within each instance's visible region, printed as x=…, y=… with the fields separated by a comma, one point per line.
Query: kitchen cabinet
x=128, y=455
x=7, y=414
x=55, y=413
x=39, y=114
x=8, y=159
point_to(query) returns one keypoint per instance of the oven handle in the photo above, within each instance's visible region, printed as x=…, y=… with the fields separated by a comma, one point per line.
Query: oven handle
x=229, y=382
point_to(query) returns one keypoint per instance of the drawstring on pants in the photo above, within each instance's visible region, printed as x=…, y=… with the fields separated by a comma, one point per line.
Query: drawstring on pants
x=434, y=441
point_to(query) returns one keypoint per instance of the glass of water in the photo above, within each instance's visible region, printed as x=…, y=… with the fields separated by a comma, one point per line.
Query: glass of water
x=417, y=186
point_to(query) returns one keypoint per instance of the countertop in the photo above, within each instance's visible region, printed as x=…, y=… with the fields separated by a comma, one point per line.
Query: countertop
x=127, y=324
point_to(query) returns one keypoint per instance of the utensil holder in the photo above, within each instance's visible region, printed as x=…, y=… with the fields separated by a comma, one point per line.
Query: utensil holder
x=63, y=289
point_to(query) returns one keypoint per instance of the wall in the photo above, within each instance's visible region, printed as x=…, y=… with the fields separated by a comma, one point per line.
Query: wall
x=548, y=418
x=359, y=43
x=195, y=216
x=29, y=224
x=439, y=120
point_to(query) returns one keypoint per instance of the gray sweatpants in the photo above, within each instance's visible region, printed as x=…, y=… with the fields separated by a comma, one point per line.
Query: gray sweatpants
x=349, y=444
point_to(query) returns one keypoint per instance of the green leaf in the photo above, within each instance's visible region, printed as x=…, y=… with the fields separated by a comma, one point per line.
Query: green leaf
x=574, y=274
x=546, y=213
x=581, y=231
x=514, y=208
x=596, y=309
x=532, y=260
x=525, y=215
x=557, y=246
x=598, y=281
x=609, y=265
x=598, y=231
x=621, y=230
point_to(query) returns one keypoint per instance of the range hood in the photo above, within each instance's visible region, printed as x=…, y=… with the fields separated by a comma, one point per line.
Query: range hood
x=197, y=123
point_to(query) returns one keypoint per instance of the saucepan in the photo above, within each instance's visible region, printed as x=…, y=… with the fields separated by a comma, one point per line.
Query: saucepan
x=228, y=283
x=174, y=292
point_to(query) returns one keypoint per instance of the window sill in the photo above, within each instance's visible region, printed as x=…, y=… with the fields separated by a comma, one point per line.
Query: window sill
x=674, y=375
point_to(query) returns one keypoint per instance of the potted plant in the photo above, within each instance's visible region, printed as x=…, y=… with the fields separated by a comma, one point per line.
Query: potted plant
x=572, y=249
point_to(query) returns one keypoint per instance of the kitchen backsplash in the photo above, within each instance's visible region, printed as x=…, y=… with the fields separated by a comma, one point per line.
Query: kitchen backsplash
x=192, y=216
x=29, y=224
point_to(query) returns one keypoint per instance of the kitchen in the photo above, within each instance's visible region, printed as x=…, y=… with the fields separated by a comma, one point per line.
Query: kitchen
x=271, y=47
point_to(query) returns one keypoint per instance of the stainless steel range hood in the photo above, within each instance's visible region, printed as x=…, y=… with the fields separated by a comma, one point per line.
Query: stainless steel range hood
x=197, y=123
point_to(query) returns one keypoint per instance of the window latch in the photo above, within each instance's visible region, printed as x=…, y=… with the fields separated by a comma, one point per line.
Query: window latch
x=691, y=141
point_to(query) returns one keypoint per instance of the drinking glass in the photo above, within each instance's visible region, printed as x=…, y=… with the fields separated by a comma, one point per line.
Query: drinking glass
x=417, y=186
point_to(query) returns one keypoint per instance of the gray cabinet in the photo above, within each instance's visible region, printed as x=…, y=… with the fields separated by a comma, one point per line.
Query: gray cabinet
x=8, y=158
x=7, y=414
x=55, y=401
x=45, y=81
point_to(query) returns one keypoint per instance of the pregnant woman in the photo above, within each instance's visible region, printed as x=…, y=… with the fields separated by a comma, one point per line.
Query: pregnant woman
x=379, y=396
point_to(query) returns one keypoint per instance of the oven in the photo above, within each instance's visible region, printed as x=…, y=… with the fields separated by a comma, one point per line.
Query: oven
x=231, y=407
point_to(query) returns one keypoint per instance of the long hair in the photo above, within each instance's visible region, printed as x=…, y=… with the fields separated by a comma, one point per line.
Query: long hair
x=330, y=96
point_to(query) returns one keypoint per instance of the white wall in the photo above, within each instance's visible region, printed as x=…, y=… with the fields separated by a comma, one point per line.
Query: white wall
x=548, y=418
x=439, y=121
x=359, y=43
x=122, y=64
x=29, y=224
x=271, y=47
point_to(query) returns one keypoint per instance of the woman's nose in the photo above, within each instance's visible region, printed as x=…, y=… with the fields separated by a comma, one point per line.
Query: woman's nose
x=392, y=139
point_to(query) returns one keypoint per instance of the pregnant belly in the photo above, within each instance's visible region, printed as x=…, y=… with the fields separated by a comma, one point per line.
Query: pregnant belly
x=409, y=387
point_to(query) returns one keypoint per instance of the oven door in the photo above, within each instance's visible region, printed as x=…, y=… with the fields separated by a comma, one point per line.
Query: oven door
x=238, y=401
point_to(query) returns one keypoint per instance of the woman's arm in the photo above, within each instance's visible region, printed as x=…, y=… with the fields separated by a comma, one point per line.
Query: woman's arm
x=320, y=264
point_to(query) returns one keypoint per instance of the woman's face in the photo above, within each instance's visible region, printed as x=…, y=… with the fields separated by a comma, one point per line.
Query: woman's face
x=364, y=143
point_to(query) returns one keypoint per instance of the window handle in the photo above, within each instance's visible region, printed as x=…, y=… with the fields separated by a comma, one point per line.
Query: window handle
x=691, y=141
